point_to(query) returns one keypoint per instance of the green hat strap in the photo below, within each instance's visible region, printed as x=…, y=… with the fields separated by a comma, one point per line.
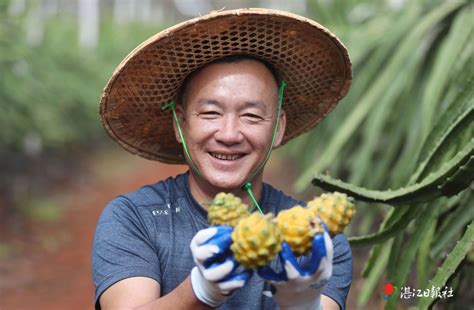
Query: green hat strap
x=247, y=187
x=172, y=105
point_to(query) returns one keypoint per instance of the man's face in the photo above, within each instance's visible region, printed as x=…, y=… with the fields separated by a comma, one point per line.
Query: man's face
x=228, y=122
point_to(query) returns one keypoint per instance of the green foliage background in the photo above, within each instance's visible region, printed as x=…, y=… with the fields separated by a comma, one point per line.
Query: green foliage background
x=51, y=90
x=49, y=94
x=403, y=141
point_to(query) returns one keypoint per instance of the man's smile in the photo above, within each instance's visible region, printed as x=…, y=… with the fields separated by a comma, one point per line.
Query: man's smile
x=222, y=156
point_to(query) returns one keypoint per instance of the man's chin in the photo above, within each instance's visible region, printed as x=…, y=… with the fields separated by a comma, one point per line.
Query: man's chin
x=227, y=186
x=227, y=183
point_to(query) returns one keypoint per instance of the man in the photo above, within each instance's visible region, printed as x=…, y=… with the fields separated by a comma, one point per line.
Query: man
x=227, y=73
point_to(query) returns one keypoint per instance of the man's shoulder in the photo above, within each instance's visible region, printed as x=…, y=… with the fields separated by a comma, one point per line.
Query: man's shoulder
x=131, y=204
x=278, y=198
x=160, y=192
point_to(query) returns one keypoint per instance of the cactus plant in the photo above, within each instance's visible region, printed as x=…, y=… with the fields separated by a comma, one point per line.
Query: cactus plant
x=412, y=130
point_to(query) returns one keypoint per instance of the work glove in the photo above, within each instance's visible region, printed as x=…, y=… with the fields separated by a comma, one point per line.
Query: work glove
x=215, y=277
x=299, y=285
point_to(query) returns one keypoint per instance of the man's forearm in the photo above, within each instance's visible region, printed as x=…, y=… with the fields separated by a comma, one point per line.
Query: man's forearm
x=182, y=297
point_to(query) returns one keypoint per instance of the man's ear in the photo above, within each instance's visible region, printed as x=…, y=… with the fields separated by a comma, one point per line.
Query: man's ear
x=182, y=121
x=281, y=129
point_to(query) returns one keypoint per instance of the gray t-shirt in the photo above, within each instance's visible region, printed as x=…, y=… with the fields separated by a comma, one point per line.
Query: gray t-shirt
x=147, y=233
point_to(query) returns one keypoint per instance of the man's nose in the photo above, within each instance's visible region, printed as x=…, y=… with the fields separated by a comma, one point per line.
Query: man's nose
x=229, y=131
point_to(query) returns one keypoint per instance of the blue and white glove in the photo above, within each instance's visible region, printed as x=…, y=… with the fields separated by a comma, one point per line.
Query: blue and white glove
x=215, y=278
x=299, y=286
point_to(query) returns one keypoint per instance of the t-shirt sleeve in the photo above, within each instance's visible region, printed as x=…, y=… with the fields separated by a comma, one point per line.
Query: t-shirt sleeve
x=338, y=286
x=122, y=247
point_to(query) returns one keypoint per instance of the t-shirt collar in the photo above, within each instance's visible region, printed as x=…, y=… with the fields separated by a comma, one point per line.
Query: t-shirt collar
x=203, y=212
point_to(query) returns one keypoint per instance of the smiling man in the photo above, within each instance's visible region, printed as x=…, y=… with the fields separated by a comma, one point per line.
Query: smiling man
x=227, y=73
x=228, y=115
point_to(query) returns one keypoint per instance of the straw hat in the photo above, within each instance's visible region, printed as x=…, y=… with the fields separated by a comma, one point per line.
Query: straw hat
x=312, y=61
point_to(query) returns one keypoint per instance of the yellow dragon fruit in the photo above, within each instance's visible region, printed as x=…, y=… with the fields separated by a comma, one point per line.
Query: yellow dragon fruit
x=298, y=226
x=335, y=209
x=226, y=209
x=256, y=240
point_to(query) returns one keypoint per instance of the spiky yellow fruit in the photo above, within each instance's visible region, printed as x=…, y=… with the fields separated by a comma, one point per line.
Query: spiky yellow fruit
x=298, y=226
x=335, y=209
x=256, y=240
x=226, y=209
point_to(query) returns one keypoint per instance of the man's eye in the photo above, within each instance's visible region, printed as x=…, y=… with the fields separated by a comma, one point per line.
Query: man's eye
x=209, y=114
x=252, y=117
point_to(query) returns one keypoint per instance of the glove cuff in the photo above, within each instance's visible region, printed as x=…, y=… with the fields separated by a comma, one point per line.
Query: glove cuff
x=204, y=291
x=309, y=299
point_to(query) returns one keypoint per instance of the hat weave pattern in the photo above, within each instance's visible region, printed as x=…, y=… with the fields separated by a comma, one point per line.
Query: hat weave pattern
x=312, y=61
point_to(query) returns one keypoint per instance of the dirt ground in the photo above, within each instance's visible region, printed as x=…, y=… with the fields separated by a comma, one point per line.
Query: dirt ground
x=50, y=267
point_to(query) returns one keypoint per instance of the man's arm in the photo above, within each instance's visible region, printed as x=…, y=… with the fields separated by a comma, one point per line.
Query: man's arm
x=210, y=283
x=144, y=294
x=329, y=304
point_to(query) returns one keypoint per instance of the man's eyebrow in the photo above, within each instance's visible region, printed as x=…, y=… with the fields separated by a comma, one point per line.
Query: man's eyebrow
x=248, y=104
x=256, y=104
x=209, y=101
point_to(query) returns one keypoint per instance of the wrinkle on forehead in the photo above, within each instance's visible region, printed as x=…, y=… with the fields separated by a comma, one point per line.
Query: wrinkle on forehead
x=231, y=71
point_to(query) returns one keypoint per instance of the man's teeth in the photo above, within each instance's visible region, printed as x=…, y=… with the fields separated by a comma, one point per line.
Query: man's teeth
x=226, y=157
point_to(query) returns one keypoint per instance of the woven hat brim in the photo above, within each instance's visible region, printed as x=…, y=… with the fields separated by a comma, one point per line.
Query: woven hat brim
x=312, y=61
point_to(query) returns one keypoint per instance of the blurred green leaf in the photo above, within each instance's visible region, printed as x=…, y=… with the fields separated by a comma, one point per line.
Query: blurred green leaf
x=463, y=246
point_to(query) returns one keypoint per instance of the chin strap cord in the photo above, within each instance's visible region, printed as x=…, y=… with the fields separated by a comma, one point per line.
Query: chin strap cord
x=247, y=187
x=172, y=105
